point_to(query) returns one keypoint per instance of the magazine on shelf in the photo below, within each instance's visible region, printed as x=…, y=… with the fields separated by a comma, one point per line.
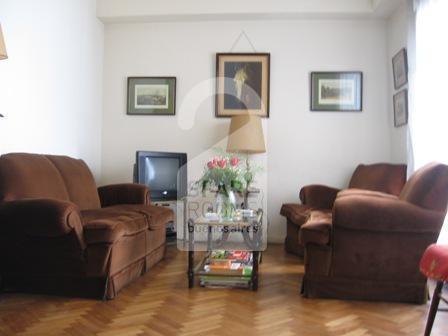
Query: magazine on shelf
x=227, y=269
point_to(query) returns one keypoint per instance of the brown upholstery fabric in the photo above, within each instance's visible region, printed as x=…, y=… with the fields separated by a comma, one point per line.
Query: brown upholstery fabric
x=30, y=176
x=126, y=193
x=318, y=196
x=428, y=187
x=382, y=177
x=156, y=216
x=78, y=180
x=376, y=242
x=40, y=217
x=296, y=213
x=362, y=192
x=317, y=229
x=375, y=178
x=55, y=238
x=112, y=229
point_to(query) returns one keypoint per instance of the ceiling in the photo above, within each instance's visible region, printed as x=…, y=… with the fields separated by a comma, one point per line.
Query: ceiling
x=201, y=10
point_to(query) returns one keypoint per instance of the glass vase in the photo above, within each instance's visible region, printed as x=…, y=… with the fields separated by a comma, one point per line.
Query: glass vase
x=225, y=204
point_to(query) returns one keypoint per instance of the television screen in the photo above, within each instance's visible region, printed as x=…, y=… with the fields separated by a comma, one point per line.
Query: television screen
x=161, y=173
x=164, y=173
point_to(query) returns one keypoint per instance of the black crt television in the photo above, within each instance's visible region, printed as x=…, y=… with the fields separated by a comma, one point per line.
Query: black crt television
x=165, y=174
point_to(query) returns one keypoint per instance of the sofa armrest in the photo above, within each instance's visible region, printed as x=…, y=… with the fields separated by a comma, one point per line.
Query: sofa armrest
x=318, y=196
x=384, y=214
x=126, y=193
x=41, y=218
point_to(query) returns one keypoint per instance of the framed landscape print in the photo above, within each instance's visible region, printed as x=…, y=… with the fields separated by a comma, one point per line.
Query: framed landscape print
x=336, y=91
x=401, y=108
x=242, y=84
x=151, y=96
x=400, y=68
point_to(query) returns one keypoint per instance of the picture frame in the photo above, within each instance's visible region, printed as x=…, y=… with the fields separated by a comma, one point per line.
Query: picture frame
x=242, y=84
x=401, y=108
x=333, y=91
x=400, y=68
x=151, y=96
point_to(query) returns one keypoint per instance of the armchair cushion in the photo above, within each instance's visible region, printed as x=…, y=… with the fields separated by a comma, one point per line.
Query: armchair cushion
x=362, y=192
x=126, y=193
x=317, y=229
x=371, y=213
x=384, y=177
x=318, y=196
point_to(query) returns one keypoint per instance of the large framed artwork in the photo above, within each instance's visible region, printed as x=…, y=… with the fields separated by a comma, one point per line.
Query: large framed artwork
x=400, y=68
x=242, y=84
x=151, y=96
x=336, y=91
x=401, y=108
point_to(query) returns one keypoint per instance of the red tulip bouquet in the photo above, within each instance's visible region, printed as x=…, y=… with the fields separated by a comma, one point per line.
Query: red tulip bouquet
x=223, y=174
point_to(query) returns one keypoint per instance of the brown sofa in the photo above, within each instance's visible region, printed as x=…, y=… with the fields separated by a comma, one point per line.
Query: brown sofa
x=59, y=234
x=370, y=246
x=383, y=177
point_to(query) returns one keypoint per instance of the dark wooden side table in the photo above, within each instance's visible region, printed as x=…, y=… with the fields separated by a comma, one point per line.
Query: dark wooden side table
x=251, y=229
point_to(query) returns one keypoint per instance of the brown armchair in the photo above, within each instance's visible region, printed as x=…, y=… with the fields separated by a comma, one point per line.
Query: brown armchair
x=59, y=234
x=369, y=248
x=381, y=177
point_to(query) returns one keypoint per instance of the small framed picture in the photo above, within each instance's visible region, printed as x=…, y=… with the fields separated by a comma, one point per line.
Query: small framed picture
x=242, y=84
x=401, y=108
x=151, y=96
x=336, y=91
x=400, y=69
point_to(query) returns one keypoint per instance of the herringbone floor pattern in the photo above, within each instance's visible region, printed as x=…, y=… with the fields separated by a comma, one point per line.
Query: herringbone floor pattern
x=161, y=304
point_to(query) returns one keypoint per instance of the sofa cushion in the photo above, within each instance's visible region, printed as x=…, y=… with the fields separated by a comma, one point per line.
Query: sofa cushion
x=25, y=175
x=157, y=216
x=317, y=228
x=296, y=213
x=109, y=225
x=78, y=180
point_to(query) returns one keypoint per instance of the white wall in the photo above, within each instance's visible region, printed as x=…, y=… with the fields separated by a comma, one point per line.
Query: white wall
x=303, y=147
x=51, y=85
x=397, y=38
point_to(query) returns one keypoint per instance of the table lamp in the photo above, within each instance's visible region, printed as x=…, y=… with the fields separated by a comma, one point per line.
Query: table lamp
x=246, y=137
x=3, y=54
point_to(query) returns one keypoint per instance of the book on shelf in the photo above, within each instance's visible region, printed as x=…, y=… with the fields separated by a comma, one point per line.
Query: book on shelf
x=227, y=269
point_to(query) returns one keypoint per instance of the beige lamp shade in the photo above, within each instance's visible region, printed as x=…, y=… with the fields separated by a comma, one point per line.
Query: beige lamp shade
x=3, y=54
x=246, y=135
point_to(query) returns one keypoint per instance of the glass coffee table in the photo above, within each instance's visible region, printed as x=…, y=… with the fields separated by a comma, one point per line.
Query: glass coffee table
x=250, y=227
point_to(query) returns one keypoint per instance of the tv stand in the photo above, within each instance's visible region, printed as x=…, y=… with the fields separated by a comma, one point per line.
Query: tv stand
x=171, y=228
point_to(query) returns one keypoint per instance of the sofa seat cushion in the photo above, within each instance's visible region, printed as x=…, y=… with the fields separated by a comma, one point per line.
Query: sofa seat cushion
x=109, y=225
x=296, y=213
x=157, y=216
x=317, y=228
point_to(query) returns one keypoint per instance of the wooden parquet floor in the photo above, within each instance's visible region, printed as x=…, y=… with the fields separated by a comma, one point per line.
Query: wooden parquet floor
x=161, y=304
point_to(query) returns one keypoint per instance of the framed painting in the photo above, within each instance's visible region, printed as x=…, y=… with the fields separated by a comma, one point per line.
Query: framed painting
x=242, y=84
x=400, y=68
x=336, y=91
x=151, y=96
x=401, y=108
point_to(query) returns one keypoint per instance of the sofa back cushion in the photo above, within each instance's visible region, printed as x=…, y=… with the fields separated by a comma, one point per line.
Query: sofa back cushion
x=428, y=187
x=24, y=175
x=78, y=181
x=384, y=177
x=30, y=176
